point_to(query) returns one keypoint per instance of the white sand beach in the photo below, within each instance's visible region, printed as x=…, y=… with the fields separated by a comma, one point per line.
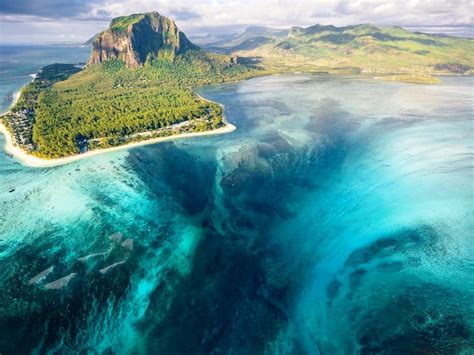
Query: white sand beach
x=32, y=161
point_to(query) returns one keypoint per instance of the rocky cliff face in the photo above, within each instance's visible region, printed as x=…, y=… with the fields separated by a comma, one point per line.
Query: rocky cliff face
x=134, y=38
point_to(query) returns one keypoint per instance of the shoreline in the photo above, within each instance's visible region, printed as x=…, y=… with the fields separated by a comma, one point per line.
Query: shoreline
x=29, y=160
x=36, y=162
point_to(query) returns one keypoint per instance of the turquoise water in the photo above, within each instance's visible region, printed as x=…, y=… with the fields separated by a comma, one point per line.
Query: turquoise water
x=337, y=219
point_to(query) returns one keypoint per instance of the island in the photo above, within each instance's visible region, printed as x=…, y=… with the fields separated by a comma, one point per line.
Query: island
x=137, y=86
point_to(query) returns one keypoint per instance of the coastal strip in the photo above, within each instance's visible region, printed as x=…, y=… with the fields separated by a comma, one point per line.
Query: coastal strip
x=35, y=162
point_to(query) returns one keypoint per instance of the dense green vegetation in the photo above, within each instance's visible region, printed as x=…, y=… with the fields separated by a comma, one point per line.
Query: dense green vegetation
x=48, y=75
x=106, y=102
x=21, y=118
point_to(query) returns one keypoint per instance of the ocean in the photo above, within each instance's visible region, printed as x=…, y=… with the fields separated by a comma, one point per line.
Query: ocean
x=19, y=62
x=337, y=219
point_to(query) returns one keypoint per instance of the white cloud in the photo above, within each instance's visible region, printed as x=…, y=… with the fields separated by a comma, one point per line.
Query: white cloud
x=305, y=12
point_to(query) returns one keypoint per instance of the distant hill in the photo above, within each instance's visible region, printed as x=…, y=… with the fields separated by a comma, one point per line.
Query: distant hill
x=252, y=37
x=259, y=31
x=211, y=38
x=89, y=41
x=361, y=48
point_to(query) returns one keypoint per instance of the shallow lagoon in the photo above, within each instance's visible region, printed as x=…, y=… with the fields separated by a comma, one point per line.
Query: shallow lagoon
x=337, y=218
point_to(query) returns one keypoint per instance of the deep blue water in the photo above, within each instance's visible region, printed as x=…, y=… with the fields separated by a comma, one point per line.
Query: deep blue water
x=337, y=219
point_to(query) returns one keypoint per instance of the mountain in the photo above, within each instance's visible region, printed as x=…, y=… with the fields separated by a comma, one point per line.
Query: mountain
x=360, y=48
x=137, y=37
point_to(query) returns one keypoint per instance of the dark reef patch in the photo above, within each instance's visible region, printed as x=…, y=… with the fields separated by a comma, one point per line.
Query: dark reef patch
x=217, y=307
x=238, y=293
x=169, y=170
x=52, y=317
x=392, y=308
x=413, y=323
x=424, y=238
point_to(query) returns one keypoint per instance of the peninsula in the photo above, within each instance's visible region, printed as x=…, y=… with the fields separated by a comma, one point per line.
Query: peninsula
x=136, y=87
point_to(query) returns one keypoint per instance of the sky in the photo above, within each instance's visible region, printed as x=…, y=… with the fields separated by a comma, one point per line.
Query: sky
x=40, y=21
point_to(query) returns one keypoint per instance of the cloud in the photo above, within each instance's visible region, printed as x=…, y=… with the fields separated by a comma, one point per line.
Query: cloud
x=47, y=8
x=184, y=15
x=200, y=16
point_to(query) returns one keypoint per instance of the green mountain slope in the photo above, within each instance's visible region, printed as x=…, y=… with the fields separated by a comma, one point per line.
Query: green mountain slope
x=362, y=48
x=136, y=85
